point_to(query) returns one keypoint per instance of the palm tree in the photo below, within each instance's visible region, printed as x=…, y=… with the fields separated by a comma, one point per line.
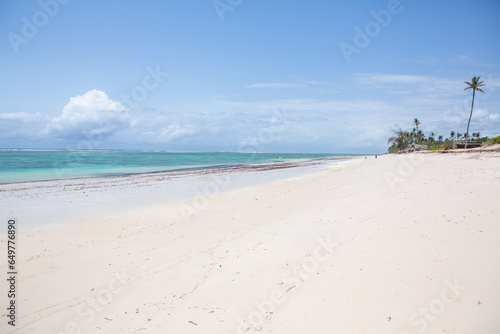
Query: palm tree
x=400, y=140
x=431, y=137
x=452, y=135
x=474, y=85
x=417, y=123
x=440, y=138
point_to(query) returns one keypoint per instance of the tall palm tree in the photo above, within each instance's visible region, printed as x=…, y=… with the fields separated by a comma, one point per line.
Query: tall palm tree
x=474, y=85
x=440, y=138
x=417, y=123
x=452, y=135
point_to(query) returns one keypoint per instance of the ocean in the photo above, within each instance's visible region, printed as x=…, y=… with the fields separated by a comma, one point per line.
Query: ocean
x=42, y=165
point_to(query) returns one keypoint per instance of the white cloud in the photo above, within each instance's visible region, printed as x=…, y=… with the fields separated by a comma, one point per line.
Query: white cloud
x=276, y=85
x=97, y=119
x=176, y=131
x=357, y=114
x=416, y=84
x=21, y=116
x=319, y=83
x=20, y=125
x=154, y=126
x=373, y=78
x=480, y=114
x=88, y=115
x=494, y=117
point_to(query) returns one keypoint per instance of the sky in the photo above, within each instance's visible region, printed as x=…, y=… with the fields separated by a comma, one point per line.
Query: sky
x=315, y=76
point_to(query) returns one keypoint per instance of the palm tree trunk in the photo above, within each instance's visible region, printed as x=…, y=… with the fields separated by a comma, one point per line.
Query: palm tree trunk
x=471, y=107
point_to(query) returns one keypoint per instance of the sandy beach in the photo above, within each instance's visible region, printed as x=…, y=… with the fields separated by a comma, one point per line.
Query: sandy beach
x=398, y=244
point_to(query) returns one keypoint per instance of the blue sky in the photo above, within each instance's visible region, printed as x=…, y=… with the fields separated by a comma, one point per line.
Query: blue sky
x=243, y=75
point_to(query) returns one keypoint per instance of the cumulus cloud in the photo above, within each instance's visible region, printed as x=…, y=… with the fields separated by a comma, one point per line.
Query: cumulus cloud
x=88, y=115
x=97, y=119
x=353, y=120
x=94, y=115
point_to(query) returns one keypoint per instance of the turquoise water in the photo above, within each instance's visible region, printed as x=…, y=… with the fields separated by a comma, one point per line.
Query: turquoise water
x=37, y=165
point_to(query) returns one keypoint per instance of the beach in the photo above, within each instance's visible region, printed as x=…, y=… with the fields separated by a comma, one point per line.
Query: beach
x=395, y=244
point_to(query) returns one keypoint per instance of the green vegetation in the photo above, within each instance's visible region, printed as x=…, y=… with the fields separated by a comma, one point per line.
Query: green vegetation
x=437, y=147
x=494, y=140
x=403, y=140
x=416, y=139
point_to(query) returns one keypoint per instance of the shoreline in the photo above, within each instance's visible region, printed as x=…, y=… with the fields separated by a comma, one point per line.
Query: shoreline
x=30, y=166
x=86, y=198
x=249, y=166
x=359, y=246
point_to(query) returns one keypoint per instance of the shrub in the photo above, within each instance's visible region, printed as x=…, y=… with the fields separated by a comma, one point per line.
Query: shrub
x=483, y=140
x=448, y=145
x=436, y=147
x=495, y=140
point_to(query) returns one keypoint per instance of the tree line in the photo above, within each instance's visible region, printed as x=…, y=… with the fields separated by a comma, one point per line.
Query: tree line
x=402, y=140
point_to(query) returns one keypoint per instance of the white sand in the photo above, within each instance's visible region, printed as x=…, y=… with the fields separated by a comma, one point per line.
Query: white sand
x=400, y=244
